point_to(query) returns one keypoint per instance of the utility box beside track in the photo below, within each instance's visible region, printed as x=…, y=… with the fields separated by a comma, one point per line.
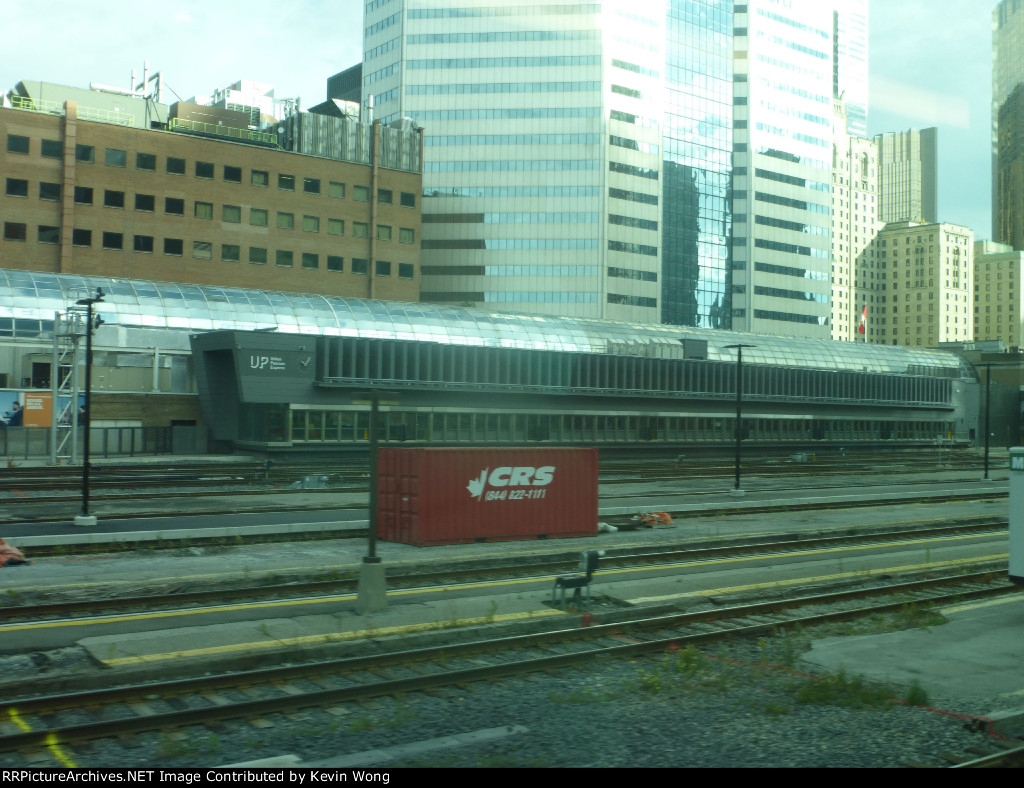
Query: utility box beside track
x=453, y=496
x=1017, y=515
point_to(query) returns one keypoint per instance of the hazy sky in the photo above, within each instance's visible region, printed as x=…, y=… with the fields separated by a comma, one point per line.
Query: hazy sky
x=930, y=63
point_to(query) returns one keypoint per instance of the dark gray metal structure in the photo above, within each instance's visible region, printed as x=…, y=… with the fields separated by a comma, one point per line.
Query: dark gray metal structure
x=467, y=377
x=291, y=372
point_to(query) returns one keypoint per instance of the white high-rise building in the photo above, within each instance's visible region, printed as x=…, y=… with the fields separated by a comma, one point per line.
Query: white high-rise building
x=783, y=167
x=998, y=293
x=577, y=157
x=857, y=285
x=850, y=82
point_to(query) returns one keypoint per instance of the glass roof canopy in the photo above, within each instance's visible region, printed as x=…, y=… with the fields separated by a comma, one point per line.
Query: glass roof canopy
x=31, y=295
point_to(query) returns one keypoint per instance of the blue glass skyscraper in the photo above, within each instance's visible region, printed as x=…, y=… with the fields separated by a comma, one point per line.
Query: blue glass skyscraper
x=577, y=155
x=696, y=170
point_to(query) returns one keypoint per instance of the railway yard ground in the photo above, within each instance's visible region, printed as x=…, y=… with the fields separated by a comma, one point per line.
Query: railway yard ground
x=922, y=683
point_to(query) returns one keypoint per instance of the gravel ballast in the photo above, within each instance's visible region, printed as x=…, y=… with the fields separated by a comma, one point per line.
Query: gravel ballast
x=725, y=707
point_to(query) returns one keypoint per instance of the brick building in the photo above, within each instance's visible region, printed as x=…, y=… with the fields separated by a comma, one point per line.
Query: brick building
x=204, y=203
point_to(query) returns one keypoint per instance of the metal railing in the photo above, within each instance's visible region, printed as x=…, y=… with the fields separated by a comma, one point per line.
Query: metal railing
x=84, y=113
x=178, y=124
x=27, y=443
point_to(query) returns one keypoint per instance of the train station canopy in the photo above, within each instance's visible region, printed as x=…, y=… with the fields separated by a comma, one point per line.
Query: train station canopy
x=29, y=300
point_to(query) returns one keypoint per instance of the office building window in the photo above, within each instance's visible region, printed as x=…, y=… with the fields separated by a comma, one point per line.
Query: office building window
x=232, y=213
x=16, y=187
x=204, y=169
x=406, y=271
x=260, y=178
x=360, y=266
x=360, y=229
x=174, y=206
x=383, y=268
x=116, y=158
x=49, y=191
x=174, y=246
x=284, y=259
x=51, y=149
x=383, y=232
x=48, y=234
x=257, y=255
x=335, y=227
x=408, y=200
x=336, y=190
x=113, y=199
x=232, y=174
x=202, y=250
x=17, y=144
x=285, y=221
x=230, y=253
x=175, y=166
x=406, y=236
x=310, y=260
x=83, y=195
x=113, y=240
x=81, y=237
x=286, y=182
x=15, y=231
x=85, y=153
x=258, y=217
x=384, y=196
x=311, y=185
x=143, y=243
x=204, y=210
x=335, y=263
x=311, y=224
x=145, y=161
x=361, y=193
x=145, y=202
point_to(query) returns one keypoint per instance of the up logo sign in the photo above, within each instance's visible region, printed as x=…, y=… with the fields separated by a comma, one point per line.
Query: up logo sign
x=500, y=480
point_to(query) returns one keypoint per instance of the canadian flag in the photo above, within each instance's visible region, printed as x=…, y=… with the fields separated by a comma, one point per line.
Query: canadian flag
x=863, y=320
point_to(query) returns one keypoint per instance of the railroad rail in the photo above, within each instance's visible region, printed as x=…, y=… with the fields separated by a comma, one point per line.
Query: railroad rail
x=129, y=710
x=1012, y=758
x=354, y=474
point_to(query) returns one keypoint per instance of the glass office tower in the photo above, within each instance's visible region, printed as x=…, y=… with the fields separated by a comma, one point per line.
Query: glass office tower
x=782, y=167
x=850, y=56
x=577, y=155
x=1008, y=123
x=696, y=170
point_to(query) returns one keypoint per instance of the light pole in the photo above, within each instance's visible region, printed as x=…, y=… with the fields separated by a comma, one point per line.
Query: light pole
x=988, y=406
x=85, y=518
x=736, y=491
x=371, y=596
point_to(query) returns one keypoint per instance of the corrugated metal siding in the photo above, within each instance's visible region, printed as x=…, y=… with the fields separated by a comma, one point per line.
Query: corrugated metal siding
x=451, y=496
x=345, y=139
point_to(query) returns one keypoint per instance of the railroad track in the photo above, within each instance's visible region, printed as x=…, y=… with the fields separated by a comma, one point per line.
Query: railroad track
x=57, y=721
x=470, y=570
x=1010, y=758
x=143, y=495
x=355, y=474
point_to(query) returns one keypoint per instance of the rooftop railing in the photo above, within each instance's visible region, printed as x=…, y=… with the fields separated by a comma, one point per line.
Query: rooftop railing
x=29, y=104
x=246, y=135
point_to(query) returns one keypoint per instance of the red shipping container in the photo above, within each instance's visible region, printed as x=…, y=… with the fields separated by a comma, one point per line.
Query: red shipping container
x=453, y=496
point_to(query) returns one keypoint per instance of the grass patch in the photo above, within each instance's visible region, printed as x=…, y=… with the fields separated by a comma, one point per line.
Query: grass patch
x=916, y=696
x=583, y=697
x=839, y=689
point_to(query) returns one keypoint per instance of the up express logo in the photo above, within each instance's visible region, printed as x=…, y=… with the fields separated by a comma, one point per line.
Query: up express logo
x=501, y=479
x=272, y=363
